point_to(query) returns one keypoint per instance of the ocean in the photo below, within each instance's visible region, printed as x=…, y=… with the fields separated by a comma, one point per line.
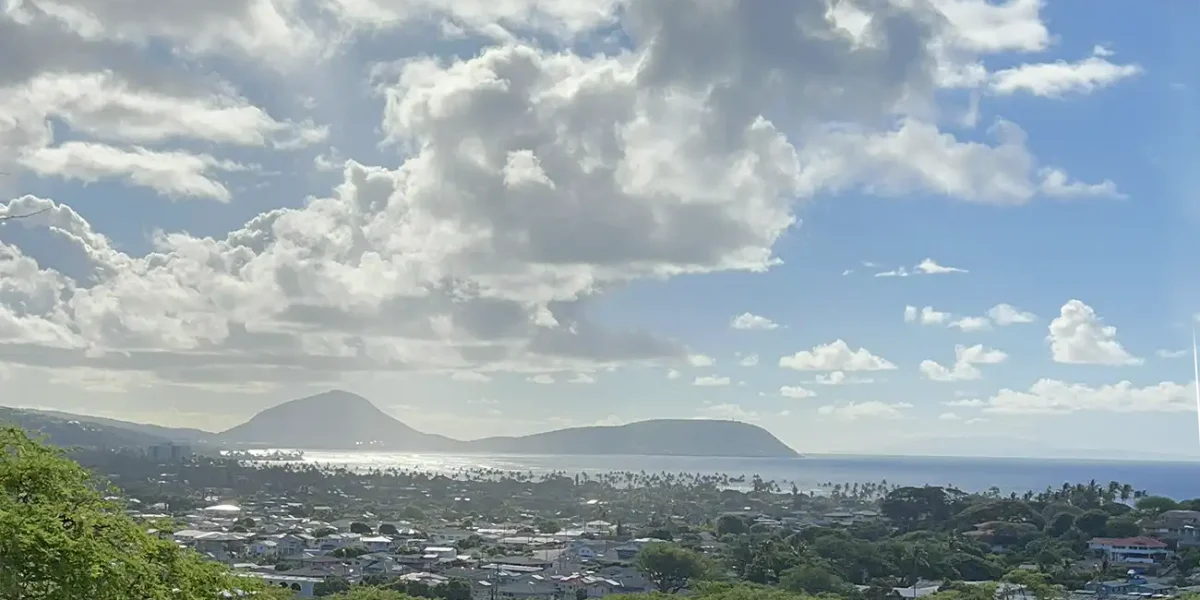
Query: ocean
x=1179, y=480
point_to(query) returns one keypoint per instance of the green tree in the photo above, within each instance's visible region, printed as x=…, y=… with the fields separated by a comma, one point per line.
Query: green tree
x=811, y=579
x=61, y=540
x=331, y=586
x=1092, y=522
x=1155, y=504
x=548, y=526
x=1120, y=527
x=670, y=567
x=360, y=528
x=731, y=525
x=388, y=529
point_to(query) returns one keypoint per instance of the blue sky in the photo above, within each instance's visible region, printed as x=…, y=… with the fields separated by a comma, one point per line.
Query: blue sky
x=477, y=198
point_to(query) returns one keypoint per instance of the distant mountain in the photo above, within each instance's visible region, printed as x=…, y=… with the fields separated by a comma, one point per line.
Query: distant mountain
x=338, y=420
x=334, y=420
x=181, y=434
x=68, y=431
x=664, y=437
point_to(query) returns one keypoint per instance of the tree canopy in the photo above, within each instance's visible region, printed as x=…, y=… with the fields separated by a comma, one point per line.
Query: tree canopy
x=671, y=567
x=61, y=540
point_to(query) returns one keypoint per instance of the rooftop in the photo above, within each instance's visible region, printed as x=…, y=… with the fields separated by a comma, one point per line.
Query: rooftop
x=1137, y=542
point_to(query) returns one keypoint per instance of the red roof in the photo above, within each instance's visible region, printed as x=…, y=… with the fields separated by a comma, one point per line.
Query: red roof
x=1140, y=541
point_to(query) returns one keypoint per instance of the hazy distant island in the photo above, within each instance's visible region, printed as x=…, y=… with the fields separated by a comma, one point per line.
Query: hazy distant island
x=339, y=420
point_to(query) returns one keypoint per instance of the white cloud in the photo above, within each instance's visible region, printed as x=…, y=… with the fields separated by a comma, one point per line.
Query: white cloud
x=865, y=410
x=795, y=391
x=839, y=378
x=674, y=374
x=897, y=272
x=541, y=379
x=750, y=360
x=931, y=267
x=1171, y=353
x=1054, y=80
x=748, y=321
x=1007, y=314
x=533, y=180
x=835, y=356
x=172, y=174
x=971, y=324
x=1079, y=336
x=701, y=360
x=926, y=316
x=949, y=416
x=966, y=403
x=1049, y=396
x=470, y=376
x=1056, y=184
x=582, y=378
x=711, y=381
x=927, y=266
x=966, y=359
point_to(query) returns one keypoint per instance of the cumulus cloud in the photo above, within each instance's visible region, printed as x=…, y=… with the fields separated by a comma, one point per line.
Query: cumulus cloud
x=1051, y=396
x=711, y=381
x=529, y=181
x=925, y=316
x=835, y=356
x=966, y=361
x=795, y=391
x=839, y=378
x=1001, y=315
x=1079, y=336
x=750, y=321
x=1007, y=314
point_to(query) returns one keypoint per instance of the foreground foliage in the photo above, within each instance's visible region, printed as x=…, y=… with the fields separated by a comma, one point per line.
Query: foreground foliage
x=60, y=539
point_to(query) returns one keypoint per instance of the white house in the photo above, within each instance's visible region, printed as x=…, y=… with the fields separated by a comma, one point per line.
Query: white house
x=440, y=552
x=378, y=543
x=446, y=537
x=264, y=547
x=1139, y=549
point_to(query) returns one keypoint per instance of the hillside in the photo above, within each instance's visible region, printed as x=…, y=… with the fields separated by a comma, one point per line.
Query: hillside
x=67, y=431
x=175, y=434
x=665, y=437
x=334, y=420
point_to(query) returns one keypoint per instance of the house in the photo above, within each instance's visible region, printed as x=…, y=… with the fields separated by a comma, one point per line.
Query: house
x=1182, y=526
x=335, y=541
x=266, y=547
x=522, y=561
x=532, y=586
x=447, y=537
x=1134, y=585
x=378, y=543
x=439, y=553
x=292, y=543
x=1139, y=549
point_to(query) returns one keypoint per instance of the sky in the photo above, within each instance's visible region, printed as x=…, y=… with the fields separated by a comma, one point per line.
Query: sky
x=869, y=226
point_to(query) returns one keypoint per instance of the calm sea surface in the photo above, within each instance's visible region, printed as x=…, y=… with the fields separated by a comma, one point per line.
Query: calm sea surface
x=1174, y=479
